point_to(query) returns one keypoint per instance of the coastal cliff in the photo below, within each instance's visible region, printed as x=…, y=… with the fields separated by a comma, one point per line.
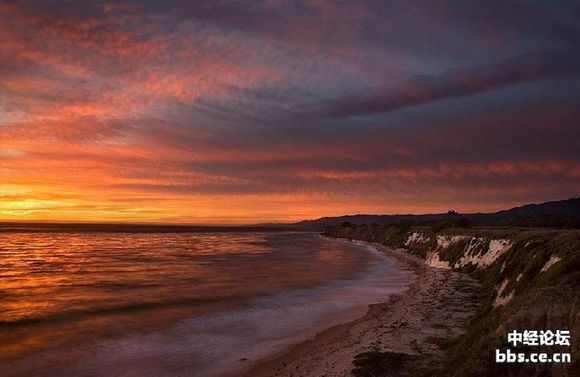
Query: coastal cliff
x=530, y=280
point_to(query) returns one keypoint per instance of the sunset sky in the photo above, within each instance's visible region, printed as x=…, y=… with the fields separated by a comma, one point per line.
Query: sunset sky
x=279, y=110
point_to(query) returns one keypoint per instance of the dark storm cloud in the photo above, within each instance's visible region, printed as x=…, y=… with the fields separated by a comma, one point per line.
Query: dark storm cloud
x=458, y=82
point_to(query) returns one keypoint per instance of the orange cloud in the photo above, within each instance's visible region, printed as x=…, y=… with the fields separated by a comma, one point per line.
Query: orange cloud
x=190, y=113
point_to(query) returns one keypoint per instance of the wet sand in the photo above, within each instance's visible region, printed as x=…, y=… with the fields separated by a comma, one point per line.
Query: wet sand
x=435, y=308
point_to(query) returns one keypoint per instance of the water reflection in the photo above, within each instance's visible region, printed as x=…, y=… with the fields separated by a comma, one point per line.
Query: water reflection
x=55, y=287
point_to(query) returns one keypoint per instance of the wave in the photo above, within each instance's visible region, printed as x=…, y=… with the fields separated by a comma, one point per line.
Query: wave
x=120, y=309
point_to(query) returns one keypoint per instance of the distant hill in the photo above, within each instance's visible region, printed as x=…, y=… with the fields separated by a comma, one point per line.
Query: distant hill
x=559, y=214
x=558, y=207
x=366, y=219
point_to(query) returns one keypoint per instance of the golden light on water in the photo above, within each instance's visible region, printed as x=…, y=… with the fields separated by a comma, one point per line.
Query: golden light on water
x=63, y=284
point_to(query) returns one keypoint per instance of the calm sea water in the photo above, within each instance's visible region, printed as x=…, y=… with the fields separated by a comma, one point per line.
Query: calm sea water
x=175, y=304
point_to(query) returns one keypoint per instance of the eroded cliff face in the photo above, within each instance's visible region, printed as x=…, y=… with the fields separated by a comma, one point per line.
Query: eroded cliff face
x=530, y=281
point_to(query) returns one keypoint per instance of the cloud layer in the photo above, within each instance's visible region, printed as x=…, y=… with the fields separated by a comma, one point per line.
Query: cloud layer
x=241, y=112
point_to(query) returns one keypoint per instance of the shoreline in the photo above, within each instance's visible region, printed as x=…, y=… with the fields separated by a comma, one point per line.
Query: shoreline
x=416, y=322
x=218, y=342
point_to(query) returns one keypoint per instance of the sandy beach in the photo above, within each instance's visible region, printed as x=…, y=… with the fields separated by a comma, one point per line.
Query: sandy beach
x=435, y=309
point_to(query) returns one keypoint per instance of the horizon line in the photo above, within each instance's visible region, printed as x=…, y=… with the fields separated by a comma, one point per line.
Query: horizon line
x=262, y=224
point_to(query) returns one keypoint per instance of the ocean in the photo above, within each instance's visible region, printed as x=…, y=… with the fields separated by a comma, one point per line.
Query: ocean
x=87, y=304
